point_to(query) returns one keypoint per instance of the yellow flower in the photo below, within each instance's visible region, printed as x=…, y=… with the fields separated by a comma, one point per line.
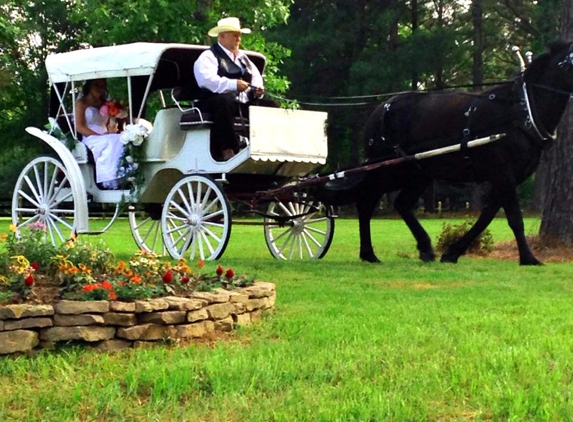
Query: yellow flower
x=3, y=237
x=85, y=269
x=13, y=228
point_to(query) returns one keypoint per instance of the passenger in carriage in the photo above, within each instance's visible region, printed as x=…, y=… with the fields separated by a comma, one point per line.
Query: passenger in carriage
x=229, y=80
x=99, y=135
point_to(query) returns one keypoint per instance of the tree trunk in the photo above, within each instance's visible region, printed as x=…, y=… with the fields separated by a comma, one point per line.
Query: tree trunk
x=557, y=218
x=414, y=20
x=477, y=73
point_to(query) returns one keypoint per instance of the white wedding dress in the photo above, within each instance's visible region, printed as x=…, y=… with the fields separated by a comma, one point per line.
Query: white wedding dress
x=107, y=149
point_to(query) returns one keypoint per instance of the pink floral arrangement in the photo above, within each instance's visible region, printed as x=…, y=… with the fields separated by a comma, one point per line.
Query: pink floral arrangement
x=113, y=108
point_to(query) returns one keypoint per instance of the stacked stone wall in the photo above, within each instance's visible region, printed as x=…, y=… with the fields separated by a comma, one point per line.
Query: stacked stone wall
x=113, y=325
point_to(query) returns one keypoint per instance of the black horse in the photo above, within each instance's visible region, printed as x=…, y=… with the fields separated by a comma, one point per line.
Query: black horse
x=527, y=110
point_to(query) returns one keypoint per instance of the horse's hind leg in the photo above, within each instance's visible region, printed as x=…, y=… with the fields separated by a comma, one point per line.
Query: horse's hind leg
x=365, y=206
x=405, y=204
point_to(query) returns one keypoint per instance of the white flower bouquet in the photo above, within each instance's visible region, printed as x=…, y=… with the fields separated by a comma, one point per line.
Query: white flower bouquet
x=134, y=134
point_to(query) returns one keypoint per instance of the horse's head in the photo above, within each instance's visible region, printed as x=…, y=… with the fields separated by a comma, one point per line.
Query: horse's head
x=553, y=69
x=549, y=80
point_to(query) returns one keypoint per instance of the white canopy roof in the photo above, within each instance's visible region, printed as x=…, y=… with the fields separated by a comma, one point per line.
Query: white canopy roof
x=114, y=61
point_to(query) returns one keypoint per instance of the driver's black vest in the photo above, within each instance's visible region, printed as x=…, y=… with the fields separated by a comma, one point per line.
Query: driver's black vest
x=228, y=68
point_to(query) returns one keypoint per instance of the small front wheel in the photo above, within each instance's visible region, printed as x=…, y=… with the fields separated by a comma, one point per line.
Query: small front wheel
x=299, y=230
x=196, y=219
x=146, y=228
x=43, y=194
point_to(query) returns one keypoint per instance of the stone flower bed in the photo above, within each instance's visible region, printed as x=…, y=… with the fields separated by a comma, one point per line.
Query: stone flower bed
x=113, y=325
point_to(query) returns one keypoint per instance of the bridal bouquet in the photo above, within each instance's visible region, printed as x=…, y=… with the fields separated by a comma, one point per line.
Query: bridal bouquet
x=113, y=108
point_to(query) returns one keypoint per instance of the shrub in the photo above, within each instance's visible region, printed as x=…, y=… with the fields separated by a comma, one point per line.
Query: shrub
x=482, y=245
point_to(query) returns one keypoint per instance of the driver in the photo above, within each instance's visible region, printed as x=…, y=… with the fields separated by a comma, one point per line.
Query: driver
x=224, y=73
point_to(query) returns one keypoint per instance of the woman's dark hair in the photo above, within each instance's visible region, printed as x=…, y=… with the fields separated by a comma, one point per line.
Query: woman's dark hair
x=88, y=86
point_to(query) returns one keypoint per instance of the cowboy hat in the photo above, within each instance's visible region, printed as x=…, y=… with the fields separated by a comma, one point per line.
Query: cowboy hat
x=228, y=25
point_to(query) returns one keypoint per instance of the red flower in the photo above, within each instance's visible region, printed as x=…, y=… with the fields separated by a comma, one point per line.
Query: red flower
x=28, y=281
x=185, y=279
x=220, y=271
x=35, y=265
x=112, y=296
x=167, y=277
x=88, y=287
x=200, y=264
x=106, y=285
x=230, y=273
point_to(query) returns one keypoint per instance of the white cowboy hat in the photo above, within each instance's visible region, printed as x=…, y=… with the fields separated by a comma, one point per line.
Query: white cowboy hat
x=228, y=25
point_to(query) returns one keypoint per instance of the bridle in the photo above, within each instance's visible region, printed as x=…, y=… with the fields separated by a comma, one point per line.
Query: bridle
x=530, y=122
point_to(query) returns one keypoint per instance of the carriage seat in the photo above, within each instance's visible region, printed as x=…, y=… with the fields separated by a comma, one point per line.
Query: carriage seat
x=185, y=98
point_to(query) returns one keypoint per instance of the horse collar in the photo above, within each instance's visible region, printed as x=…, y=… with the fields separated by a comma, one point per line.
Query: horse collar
x=543, y=135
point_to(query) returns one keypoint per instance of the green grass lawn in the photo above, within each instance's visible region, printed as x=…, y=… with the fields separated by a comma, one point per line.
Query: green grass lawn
x=397, y=341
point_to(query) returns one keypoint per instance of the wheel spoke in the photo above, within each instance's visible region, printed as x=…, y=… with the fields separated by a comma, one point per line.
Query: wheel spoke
x=197, y=221
x=308, y=234
x=38, y=196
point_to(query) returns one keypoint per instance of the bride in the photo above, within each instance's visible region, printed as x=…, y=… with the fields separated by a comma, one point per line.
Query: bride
x=101, y=139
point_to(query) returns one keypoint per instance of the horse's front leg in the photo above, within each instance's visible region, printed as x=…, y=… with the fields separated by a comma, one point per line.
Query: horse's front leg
x=459, y=247
x=405, y=204
x=515, y=221
x=365, y=206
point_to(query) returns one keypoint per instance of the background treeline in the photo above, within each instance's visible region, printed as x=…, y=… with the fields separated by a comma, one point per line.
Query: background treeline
x=341, y=56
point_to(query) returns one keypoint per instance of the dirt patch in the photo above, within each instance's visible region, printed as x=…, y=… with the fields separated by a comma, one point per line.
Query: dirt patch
x=508, y=251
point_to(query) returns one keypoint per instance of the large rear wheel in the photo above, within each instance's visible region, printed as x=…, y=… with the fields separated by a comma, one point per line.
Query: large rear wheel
x=299, y=230
x=196, y=219
x=43, y=195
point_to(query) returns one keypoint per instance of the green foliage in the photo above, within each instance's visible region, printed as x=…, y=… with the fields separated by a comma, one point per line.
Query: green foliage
x=31, y=243
x=482, y=245
x=88, y=271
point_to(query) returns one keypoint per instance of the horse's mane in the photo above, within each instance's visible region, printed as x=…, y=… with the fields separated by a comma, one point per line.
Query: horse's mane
x=540, y=63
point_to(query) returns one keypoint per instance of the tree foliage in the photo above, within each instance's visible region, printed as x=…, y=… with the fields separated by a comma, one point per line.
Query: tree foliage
x=362, y=48
x=359, y=50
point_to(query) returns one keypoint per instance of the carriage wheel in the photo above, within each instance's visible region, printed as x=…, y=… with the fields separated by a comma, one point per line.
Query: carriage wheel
x=43, y=194
x=300, y=231
x=146, y=228
x=196, y=219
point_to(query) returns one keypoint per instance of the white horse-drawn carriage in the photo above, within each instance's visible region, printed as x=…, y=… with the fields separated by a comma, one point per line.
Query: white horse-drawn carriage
x=181, y=207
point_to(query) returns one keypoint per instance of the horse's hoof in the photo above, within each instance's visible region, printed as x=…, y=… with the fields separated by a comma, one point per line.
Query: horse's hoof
x=452, y=259
x=373, y=259
x=427, y=256
x=533, y=261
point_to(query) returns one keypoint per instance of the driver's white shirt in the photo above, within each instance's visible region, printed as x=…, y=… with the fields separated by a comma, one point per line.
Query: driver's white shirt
x=207, y=66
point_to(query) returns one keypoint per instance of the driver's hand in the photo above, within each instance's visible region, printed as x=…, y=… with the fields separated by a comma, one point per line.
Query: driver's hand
x=242, y=85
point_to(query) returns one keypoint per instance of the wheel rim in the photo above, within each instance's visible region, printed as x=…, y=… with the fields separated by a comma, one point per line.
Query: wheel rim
x=306, y=234
x=43, y=194
x=145, y=227
x=196, y=219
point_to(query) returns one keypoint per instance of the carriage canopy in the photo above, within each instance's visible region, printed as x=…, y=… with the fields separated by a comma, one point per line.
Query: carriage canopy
x=136, y=59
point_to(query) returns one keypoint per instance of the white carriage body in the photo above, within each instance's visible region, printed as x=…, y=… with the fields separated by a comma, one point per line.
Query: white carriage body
x=182, y=201
x=283, y=142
